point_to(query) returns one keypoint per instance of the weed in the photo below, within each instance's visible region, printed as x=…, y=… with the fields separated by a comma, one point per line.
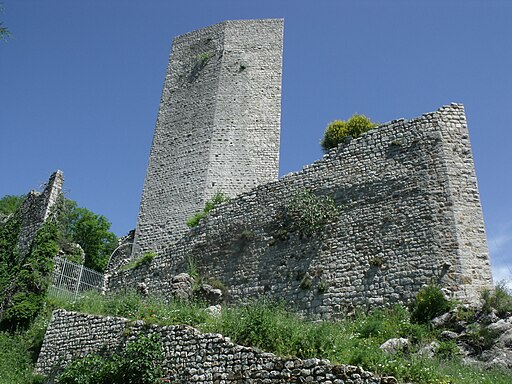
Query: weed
x=323, y=285
x=429, y=303
x=500, y=300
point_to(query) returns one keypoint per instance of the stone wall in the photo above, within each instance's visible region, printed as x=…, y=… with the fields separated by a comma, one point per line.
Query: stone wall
x=36, y=209
x=190, y=356
x=218, y=124
x=409, y=213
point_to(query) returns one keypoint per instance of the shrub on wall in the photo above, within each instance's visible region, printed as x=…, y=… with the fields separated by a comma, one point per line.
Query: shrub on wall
x=309, y=213
x=337, y=130
x=24, y=295
x=217, y=199
x=140, y=362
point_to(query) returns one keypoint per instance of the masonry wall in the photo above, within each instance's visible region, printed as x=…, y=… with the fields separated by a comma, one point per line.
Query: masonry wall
x=190, y=356
x=409, y=214
x=36, y=209
x=218, y=124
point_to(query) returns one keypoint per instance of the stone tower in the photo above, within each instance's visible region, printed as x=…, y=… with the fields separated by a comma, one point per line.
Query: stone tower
x=218, y=124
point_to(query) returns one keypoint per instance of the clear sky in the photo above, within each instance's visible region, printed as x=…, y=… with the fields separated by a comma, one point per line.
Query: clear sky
x=80, y=84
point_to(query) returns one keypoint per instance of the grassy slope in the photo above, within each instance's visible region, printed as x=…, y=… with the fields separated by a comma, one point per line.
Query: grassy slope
x=273, y=329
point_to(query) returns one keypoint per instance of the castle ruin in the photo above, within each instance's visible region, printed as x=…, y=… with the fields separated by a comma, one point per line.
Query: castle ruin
x=218, y=124
x=407, y=211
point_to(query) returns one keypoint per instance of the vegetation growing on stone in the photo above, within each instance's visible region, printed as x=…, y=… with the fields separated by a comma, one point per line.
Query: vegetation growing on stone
x=146, y=258
x=139, y=362
x=217, y=199
x=309, y=213
x=338, y=130
x=24, y=280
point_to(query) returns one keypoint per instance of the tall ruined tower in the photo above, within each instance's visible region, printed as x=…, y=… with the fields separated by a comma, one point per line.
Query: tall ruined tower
x=218, y=124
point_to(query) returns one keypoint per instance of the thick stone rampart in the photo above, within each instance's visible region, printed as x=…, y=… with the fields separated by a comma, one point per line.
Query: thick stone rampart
x=190, y=356
x=409, y=214
x=218, y=125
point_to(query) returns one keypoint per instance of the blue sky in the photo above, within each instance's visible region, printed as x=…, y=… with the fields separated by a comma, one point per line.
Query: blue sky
x=81, y=81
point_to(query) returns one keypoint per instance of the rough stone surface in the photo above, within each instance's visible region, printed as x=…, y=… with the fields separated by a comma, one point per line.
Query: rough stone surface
x=395, y=345
x=35, y=210
x=190, y=356
x=409, y=213
x=218, y=124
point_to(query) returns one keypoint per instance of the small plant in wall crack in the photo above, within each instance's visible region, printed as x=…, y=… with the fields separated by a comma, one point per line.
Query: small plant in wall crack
x=217, y=199
x=306, y=282
x=203, y=57
x=323, y=285
x=145, y=259
x=377, y=261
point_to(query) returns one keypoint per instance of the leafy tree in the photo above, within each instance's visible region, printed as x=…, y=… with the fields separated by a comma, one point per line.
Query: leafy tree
x=10, y=203
x=91, y=231
x=337, y=130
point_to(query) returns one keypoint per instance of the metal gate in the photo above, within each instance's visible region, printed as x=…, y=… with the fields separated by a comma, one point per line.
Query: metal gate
x=70, y=279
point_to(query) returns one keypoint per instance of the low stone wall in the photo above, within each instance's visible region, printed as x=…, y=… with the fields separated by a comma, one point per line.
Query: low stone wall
x=190, y=356
x=409, y=213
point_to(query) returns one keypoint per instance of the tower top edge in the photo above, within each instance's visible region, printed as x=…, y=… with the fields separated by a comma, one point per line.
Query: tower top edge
x=226, y=23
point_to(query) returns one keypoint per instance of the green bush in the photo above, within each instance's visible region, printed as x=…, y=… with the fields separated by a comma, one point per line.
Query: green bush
x=24, y=297
x=10, y=204
x=429, y=303
x=308, y=213
x=217, y=199
x=139, y=363
x=91, y=231
x=146, y=258
x=499, y=300
x=337, y=130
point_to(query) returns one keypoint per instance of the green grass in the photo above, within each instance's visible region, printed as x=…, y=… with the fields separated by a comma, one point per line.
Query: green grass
x=270, y=327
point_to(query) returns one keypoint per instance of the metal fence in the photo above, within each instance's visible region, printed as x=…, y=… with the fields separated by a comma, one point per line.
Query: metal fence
x=70, y=279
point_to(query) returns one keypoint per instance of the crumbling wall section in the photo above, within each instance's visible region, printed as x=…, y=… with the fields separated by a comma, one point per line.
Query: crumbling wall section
x=35, y=210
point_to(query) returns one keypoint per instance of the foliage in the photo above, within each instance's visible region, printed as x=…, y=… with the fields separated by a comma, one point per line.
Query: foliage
x=4, y=32
x=19, y=351
x=429, y=303
x=499, y=300
x=88, y=229
x=24, y=297
x=217, y=199
x=15, y=360
x=9, y=256
x=146, y=258
x=271, y=327
x=309, y=213
x=138, y=363
x=337, y=130
x=10, y=203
